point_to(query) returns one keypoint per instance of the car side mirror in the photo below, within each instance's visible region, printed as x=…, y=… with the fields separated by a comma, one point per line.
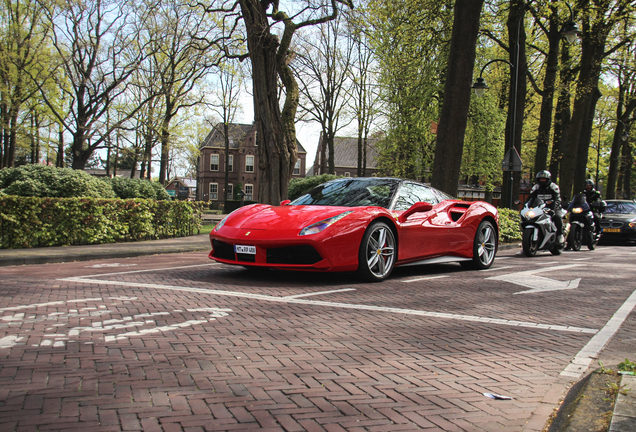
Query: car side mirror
x=418, y=207
x=285, y=202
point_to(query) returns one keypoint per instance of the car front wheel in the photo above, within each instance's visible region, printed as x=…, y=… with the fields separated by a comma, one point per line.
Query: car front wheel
x=377, y=254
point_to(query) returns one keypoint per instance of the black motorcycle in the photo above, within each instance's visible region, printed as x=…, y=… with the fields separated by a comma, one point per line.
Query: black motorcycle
x=582, y=228
x=539, y=231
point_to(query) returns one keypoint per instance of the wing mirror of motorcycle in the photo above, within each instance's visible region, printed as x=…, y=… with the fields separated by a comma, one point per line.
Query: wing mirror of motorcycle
x=418, y=207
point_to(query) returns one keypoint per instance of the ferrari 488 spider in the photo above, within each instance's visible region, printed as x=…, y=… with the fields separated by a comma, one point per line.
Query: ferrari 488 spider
x=368, y=225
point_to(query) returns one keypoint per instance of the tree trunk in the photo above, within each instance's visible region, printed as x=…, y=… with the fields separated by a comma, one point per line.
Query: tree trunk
x=579, y=136
x=165, y=150
x=547, y=100
x=517, y=97
x=562, y=115
x=454, y=114
x=276, y=137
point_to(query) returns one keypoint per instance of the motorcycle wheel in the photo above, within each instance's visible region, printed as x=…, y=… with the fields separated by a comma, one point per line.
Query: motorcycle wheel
x=530, y=246
x=575, y=239
x=593, y=241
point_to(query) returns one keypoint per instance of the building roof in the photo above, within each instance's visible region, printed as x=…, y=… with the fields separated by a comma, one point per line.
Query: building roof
x=189, y=182
x=346, y=152
x=237, y=134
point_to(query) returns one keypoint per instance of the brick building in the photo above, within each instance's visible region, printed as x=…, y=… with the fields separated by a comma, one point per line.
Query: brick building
x=243, y=164
x=345, y=151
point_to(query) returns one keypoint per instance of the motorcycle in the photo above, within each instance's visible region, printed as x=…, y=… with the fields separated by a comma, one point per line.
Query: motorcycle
x=539, y=231
x=582, y=228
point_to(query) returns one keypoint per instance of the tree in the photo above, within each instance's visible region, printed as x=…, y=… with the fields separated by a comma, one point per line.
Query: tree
x=322, y=69
x=96, y=50
x=598, y=21
x=410, y=39
x=270, y=56
x=225, y=104
x=182, y=55
x=23, y=37
x=450, y=135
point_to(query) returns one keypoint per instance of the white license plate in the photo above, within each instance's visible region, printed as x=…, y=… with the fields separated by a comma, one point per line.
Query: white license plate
x=245, y=249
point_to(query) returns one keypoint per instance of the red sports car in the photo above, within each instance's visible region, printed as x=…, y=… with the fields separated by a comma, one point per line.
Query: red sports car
x=368, y=225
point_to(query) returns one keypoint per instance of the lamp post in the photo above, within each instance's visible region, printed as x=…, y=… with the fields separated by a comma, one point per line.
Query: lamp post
x=570, y=31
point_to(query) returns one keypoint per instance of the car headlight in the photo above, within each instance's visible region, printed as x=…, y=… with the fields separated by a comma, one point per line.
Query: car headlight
x=315, y=228
x=632, y=223
x=220, y=224
x=577, y=210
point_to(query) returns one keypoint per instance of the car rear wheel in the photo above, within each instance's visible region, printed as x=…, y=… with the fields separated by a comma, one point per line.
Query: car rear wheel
x=484, y=247
x=377, y=253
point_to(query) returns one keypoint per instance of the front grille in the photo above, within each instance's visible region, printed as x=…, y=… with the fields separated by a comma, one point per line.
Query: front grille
x=223, y=250
x=245, y=257
x=612, y=224
x=303, y=254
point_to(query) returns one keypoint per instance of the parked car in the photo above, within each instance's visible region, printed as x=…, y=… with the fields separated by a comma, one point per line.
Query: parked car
x=368, y=225
x=619, y=221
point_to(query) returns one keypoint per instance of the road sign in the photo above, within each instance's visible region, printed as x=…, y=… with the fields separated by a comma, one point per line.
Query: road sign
x=512, y=161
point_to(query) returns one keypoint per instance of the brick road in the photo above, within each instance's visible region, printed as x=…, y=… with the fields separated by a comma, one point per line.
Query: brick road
x=178, y=343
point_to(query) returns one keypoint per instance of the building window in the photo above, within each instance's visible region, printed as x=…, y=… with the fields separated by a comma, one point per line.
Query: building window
x=230, y=163
x=230, y=191
x=249, y=192
x=297, y=168
x=347, y=174
x=214, y=162
x=214, y=191
x=249, y=163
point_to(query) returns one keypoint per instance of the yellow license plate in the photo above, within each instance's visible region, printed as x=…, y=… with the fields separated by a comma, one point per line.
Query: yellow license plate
x=614, y=230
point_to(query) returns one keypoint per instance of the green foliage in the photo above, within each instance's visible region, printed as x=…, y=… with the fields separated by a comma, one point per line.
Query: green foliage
x=52, y=182
x=126, y=188
x=300, y=186
x=627, y=366
x=34, y=221
x=509, y=225
x=411, y=44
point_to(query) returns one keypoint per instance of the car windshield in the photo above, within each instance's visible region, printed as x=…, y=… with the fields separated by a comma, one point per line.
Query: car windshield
x=621, y=207
x=351, y=193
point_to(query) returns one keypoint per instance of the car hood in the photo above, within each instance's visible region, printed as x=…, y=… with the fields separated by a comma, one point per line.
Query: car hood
x=284, y=217
x=619, y=216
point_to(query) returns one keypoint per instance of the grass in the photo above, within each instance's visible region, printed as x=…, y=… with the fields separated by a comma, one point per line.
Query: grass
x=206, y=229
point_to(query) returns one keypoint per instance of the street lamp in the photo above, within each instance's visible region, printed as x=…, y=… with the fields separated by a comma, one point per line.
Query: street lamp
x=570, y=31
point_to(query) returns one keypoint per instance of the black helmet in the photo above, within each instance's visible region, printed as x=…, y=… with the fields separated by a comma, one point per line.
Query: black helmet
x=589, y=182
x=544, y=178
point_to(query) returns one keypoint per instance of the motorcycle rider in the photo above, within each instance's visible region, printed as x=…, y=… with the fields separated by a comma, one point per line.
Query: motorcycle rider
x=593, y=198
x=550, y=193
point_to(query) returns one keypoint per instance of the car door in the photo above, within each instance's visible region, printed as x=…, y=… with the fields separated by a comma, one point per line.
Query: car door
x=422, y=234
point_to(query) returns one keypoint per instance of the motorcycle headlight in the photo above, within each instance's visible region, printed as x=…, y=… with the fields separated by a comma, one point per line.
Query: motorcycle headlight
x=315, y=228
x=577, y=210
x=530, y=214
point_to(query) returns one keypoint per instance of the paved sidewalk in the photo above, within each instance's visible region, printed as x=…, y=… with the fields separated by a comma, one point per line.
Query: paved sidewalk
x=58, y=254
x=624, y=412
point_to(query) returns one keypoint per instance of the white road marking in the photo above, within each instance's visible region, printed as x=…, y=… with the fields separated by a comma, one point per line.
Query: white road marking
x=126, y=323
x=55, y=303
x=110, y=265
x=495, y=269
x=424, y=278
x=582, y=259
x=318, y=293
x=154, y=270
x=537, y=284
x=485, y=320
x=579, y=364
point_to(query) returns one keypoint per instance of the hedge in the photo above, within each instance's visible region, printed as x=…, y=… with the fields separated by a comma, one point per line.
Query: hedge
x=32, y=221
